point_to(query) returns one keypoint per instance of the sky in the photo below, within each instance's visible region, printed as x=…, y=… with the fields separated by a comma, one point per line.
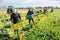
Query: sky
x=30, y=3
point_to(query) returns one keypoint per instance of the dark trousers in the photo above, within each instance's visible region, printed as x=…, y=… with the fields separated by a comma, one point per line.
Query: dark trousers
x=30, y=20
x=16, y=31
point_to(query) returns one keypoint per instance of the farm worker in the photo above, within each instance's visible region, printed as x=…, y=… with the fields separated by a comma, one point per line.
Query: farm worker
x=40, y=10
x=15, y=19
x=51, y=10
x=44, y=10
x=29, y=15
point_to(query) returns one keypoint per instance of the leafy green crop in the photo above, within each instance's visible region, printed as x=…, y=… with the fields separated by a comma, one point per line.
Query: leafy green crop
x=46, y=26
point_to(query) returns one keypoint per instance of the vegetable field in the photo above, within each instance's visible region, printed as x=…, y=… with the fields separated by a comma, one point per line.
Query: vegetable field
x=45, y=26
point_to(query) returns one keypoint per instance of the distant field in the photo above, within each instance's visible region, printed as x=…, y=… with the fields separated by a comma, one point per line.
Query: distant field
x=25, y=10
x=19, y=10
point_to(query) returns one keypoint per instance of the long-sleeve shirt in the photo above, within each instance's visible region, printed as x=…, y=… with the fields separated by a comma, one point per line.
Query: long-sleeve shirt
x=15, y=18
x=30, y=13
